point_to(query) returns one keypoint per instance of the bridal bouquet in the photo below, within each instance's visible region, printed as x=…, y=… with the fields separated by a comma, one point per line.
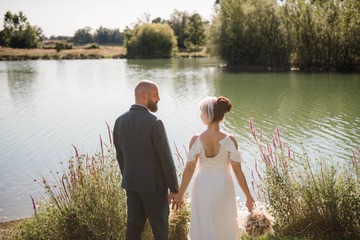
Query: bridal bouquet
x=259, y=222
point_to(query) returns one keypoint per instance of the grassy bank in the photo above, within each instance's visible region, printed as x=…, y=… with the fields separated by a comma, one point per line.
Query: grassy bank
x=81, y=52
x=84, y=52
x=7, y=229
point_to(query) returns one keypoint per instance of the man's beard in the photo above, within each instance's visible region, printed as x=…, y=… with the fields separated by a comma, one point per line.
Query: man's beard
x=152, y=106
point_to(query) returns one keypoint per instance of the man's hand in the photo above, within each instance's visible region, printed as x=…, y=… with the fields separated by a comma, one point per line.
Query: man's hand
x=177, y=201
x=171, y=197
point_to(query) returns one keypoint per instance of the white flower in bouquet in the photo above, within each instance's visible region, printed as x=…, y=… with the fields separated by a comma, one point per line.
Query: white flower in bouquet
x=259, y=222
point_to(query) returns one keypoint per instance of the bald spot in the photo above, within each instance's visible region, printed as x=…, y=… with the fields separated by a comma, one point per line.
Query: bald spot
x=142, y=88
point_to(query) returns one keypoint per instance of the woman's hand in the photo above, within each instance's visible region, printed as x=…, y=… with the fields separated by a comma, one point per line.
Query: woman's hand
x=177, y=201
x=250, y=203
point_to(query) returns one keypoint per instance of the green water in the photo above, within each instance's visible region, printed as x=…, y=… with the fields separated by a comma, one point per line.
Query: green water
x=46, y=106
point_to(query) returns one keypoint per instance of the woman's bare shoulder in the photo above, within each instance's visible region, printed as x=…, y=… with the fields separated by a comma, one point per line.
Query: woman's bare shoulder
x=193, y=140
x=234, y=140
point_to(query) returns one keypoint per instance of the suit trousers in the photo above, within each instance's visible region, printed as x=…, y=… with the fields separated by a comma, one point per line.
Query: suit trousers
x=152, y=206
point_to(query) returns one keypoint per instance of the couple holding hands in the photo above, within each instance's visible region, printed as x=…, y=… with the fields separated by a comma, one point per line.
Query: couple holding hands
x=149, y=173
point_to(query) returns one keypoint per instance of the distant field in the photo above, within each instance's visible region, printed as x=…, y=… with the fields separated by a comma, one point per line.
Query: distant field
x=75, y=53
x=83, y=52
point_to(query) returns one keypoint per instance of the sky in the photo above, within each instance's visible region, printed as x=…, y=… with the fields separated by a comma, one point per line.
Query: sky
x=65, y=17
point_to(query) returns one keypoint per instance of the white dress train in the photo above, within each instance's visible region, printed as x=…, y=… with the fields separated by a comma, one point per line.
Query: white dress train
x=213, y=200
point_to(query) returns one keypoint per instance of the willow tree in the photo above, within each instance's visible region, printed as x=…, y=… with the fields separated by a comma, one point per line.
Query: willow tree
x=150, y=40
x=249, y=32
x=323, y=34
x=349, y=23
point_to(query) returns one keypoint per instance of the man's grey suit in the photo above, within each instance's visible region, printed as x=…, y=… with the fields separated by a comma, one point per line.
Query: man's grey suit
x=147, y=169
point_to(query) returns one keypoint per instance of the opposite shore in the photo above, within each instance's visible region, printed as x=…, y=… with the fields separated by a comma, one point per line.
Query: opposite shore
x=118, y=52
x=81, y=52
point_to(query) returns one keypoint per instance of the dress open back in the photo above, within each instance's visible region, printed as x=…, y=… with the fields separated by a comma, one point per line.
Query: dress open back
x=213, y=200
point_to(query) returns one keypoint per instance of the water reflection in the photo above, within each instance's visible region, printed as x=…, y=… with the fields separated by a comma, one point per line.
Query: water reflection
x=311, y=109
x=20, y=80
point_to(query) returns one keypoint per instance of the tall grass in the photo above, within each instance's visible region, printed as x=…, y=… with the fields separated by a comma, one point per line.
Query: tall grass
x=308, y=197
x=86, y=201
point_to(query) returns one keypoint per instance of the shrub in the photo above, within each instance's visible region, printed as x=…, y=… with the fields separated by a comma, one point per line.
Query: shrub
x=61, y=46
x=150, y=41
x=317, y=198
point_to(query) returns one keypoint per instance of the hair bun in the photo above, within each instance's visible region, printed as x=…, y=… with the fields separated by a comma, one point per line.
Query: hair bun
x=223, y=104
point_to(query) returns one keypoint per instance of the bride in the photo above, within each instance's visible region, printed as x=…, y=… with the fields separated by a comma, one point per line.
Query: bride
x=213, y=200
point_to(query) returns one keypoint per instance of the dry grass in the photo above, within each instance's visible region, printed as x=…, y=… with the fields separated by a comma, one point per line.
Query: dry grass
x=193, y=54
x=7, y=229
x=75, y=53
x=81, y=52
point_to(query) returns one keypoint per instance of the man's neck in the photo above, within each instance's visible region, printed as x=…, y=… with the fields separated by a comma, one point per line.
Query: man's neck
x=142, y=105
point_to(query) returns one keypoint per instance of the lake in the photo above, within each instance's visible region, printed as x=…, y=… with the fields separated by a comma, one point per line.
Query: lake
x=48, y=106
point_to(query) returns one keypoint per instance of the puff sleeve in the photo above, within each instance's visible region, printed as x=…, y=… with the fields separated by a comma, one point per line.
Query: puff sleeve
x=234, y=154
x=194, y=150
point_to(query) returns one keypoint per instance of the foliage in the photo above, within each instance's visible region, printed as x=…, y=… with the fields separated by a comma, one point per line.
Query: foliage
x=17, y=32
x=86, y=201
x=196, y=32
x=188, y=29
x=108, y=36
x=179, y=22
x=247, y=33
x=62, y=45
x=303, y=34
x=83, y=36
x=60, y=38
x=150, y=41
x=317, y=198
x=158, y=20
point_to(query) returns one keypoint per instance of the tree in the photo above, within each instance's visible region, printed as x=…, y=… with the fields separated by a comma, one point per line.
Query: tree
x=158, y=20
x=179, y=22
x=349, y=23
x=301, y=33
x=83, y=36
x=150, y=40
x=189, y=29
x=108, y=36
x=39, y=33
x=196, y=32
x=248, y=32
x=17, y=32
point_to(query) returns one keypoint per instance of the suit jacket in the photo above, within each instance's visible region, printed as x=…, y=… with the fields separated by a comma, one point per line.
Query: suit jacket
x=143, y=152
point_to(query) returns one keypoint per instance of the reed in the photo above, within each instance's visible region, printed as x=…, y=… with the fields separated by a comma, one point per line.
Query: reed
x=308, y=197
x=86, y=201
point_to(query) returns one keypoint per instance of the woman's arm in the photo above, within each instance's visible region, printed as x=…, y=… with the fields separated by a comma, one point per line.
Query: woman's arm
x=186, y=178
x=240, y=177
x=178, y=198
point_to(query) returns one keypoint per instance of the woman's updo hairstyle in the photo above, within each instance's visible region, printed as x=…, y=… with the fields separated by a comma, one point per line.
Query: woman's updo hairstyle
x=222, y=105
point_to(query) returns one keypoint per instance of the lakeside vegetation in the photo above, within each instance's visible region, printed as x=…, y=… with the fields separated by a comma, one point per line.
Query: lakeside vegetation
x=246, y=34
x=80, y=52
x=320, y=35
x=83, y=52
x=309, y=198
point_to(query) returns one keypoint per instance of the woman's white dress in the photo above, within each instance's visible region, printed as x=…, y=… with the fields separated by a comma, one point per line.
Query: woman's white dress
x=213, y=200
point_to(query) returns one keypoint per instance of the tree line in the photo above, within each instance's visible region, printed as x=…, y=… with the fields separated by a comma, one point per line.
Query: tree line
x=19, y=33
x=322, y=34
x=269, y=34
x=187, y=28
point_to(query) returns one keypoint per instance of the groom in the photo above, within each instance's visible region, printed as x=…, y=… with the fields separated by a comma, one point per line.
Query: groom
x=146, y=164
